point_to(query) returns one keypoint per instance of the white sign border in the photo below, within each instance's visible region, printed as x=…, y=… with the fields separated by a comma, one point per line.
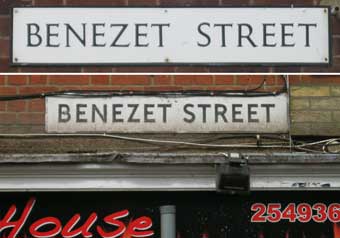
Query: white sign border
x=329, y=62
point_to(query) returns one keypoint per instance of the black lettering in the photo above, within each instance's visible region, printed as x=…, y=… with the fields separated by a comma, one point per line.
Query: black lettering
x=204, y=111
x=114, y=43
x=284, y=34
x=115, y=112
x=69, y=29
x=64, y=113
x=204, y=34
x=268, y=106
x=235, y=112
x=307, y=26
x=266, y=34
x=160, y=32
x=147, y=112
x=223, y=27
x=49, y=35
x=220, y=113
x=96, y=34
x=30, y=33
x=164, y=107
x=79, y=112
x=252, y=112
x=134, y=109
x=139, y=35
x=102, y=115
x=245, y=36
x=192, y=119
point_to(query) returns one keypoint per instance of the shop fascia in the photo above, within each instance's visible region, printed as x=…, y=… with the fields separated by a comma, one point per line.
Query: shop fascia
x=139, y=227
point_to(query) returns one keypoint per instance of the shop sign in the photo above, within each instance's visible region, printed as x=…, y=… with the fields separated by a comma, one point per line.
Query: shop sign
x=196, y=214
x=192, y=114
x=171, y=36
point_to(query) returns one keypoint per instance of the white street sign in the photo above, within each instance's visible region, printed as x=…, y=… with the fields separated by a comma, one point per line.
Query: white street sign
x=192, y=114
x=146, y=35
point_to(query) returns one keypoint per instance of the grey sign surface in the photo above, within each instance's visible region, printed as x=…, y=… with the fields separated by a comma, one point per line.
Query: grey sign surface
x=181, y=114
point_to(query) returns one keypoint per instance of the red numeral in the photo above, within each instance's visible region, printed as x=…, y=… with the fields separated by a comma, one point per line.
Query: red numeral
x=302, y=212
x=334, y=212
x=305, y=212
x=289, y=213
x=260, y=210
x=321, y=215
x=274, y=214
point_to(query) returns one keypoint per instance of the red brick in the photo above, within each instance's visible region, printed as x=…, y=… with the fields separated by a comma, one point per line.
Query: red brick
x=4, y=47
x=189, y=2
x=335, y=67
x=285, y=2
x=250, y=79
x=162, y=79
x=100, y=79
x=239, y=69
x=4, y=25
x=16, y=106
x=336, y=46
x=96, y=2
x=335, y=26
x=224, y=79
x=319, y=79
x=97, y=69
x=48, y=2
x=101, y=88
x=49, y=69
x=272, y=79
x=3, y=106
x=5, y=5
x=38, y=79
x=7, y=118
x=69, y=79
x=36, y=105
x=5, y=91
x=235, y=2
x=2, y=79
x=140, y=69
x=256, y=80
x=188, y=69
x=31, y=118
x=142, y=3
x=36, y=90
x=193, y=79
x=294, y=79
x=17, y=80
x=130, y=80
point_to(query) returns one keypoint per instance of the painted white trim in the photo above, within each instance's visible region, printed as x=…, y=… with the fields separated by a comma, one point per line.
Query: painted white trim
x=151, y=177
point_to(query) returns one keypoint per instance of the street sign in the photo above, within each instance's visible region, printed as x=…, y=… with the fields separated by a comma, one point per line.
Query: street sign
x=171, y=36
x=191, y=114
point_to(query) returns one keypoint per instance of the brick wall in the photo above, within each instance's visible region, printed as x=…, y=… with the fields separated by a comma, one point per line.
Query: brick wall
x=5, y=35
x=315, y=105
x=315, y=100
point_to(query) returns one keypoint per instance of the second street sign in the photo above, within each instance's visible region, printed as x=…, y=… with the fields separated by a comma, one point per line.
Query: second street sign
x=275, y=36
x=192, y=114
